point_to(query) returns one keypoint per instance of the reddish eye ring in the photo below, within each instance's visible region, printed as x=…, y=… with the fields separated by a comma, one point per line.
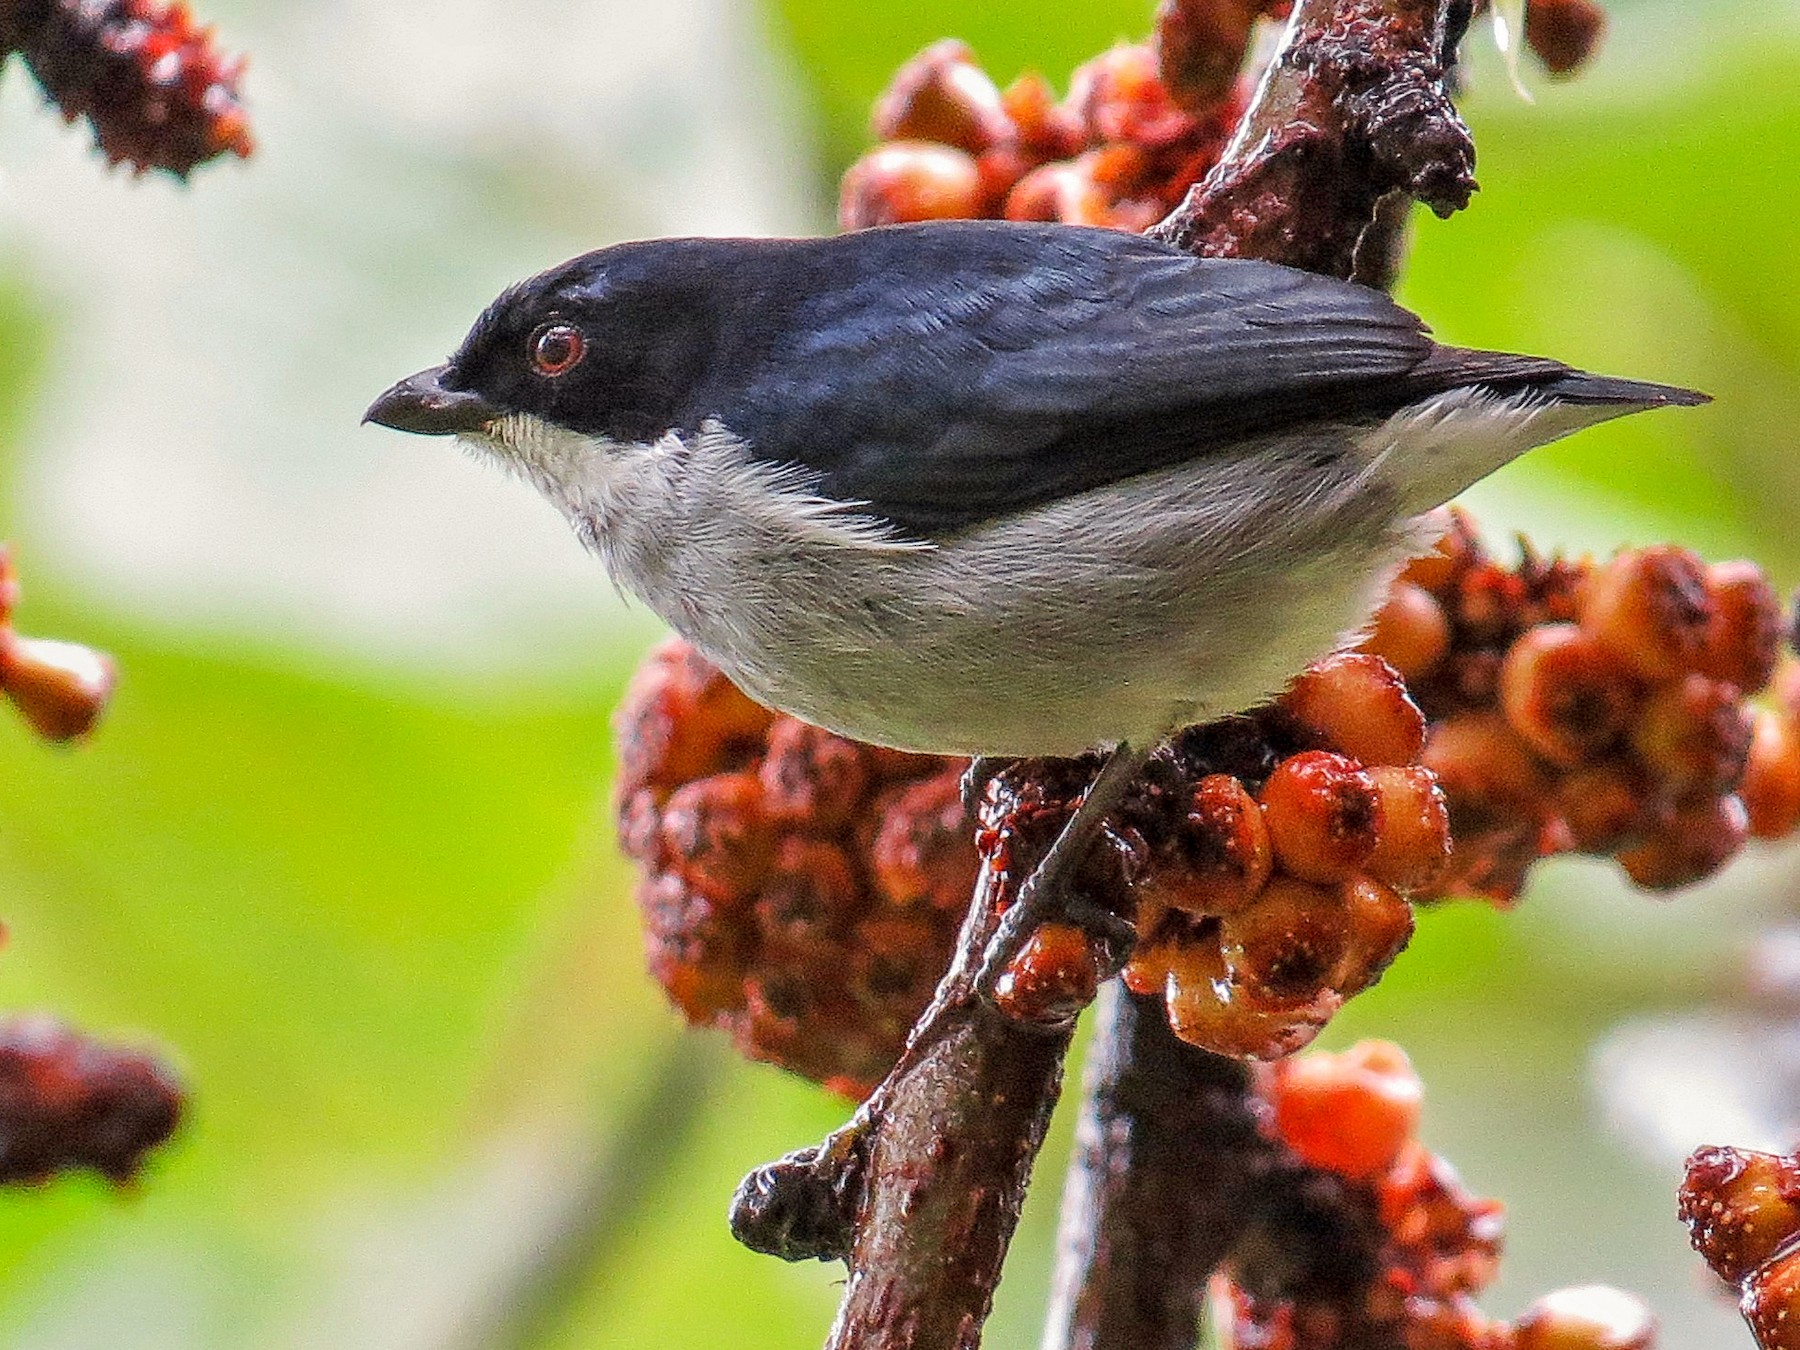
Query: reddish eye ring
x=557, y=348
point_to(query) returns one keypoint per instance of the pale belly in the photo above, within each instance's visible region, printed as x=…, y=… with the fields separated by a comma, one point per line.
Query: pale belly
x=1046, y=641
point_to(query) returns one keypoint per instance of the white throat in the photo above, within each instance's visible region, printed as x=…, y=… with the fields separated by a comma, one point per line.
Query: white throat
x=635, y=503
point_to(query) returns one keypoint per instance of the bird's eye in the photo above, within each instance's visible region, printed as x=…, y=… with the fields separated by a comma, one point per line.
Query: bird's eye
x=557, y=348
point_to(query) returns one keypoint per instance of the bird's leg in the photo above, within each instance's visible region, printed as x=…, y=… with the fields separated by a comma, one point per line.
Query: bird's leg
x=1047, y=893
x=976, y=778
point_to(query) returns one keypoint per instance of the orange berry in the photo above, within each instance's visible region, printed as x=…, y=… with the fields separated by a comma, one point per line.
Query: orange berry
x=1605, y=807
x=1651, y=608
x=1147, y=972
x=923, y=850
x=1358, y=705
x=1324, y=815
x=812, y=778
x=1117, y=170
x=910, y=180
x=1289, y=945
x=1119, y=96
x=942, y=95
x=1771, y=1303
x=1208, y=1009
x=60, y=688
x=1694, y=736
x=1380, y=924
x=1743, y=641
x=1219, y=856
x=1740, y=1208
x=681, y=719
x=1054, y=976
x=1688, y=845
x=1481, y=763
x=1350, y=1113
x=1412, y=842
x=1410, y=631
x=1000, y=168
x=1771, y=787
x=1566, y=695
x=717, y=834
x=1046, y=129
x=1064, y=191
x=1590, y=1318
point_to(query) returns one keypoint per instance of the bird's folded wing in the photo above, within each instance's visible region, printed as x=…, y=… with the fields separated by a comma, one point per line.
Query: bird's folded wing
x=1038, y=364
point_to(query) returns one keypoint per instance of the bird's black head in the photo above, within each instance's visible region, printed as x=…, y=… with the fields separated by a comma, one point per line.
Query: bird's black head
x=610, y=344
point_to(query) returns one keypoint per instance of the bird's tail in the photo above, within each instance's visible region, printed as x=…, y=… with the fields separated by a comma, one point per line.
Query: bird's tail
x=1626, y=396
x=1503, y=406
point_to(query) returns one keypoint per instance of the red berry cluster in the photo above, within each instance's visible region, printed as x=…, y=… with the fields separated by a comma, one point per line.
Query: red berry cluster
x=1593, y=708
x=67, y=1102
x=1354, y=1116
x=60, y=688
x=145, y=75
x=800, y=890
x=1141, y=124
x=1273, y=885
x=1742, y=1210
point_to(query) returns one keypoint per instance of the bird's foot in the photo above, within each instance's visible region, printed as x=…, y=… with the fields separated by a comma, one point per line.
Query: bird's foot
x=1051, y=894
x=1045, y=901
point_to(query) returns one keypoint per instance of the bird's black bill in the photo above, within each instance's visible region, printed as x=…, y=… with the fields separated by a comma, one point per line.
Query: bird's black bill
x=422, y=405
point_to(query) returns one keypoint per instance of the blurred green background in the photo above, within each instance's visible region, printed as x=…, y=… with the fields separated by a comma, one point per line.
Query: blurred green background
x=343, y=842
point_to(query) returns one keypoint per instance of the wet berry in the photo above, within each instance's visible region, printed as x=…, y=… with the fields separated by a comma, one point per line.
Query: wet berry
x=1054, y=976
x=1358, y=705
x=1219, y=857
x=1324, y=815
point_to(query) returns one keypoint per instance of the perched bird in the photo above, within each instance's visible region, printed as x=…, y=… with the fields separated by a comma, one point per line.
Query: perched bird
x=990, y=488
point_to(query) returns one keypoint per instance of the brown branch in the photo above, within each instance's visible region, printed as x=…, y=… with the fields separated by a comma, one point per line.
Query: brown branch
x=921, y=1192
x=1168, y=1159
x=1352, y=108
